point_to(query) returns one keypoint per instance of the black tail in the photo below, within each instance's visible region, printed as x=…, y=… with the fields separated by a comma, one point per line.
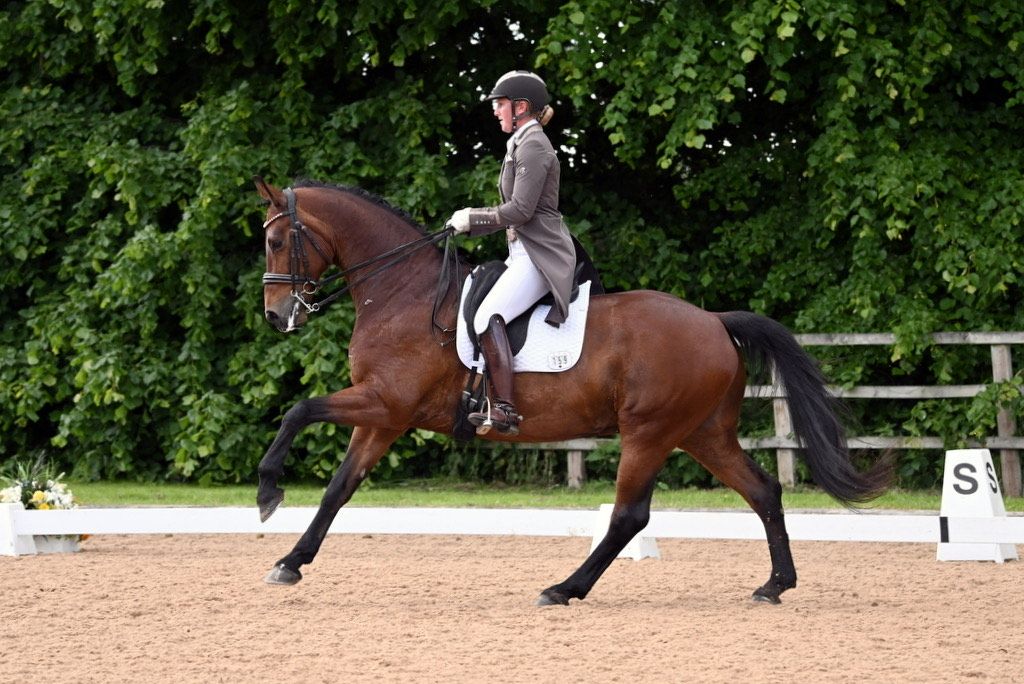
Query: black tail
x=815, y=413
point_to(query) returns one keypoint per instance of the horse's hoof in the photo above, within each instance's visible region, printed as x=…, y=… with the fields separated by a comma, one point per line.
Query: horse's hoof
x=552, y=598
x=268, y=503
x=760, y=597
x=280, y=574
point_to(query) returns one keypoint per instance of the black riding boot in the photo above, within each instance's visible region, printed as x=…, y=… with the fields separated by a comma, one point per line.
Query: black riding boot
x=502, y=413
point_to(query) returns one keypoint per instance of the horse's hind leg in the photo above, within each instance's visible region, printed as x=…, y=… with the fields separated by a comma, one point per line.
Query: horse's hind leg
x=634, y=484
x=719, y=451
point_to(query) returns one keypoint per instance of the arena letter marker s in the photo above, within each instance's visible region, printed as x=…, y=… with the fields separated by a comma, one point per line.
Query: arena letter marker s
x=970, y=489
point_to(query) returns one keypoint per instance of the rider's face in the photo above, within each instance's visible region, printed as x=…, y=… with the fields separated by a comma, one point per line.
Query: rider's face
x=503, y=112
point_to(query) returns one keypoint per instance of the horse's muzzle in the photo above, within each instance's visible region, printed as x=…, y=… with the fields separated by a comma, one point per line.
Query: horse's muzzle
x=285, y=324
x=278, y=322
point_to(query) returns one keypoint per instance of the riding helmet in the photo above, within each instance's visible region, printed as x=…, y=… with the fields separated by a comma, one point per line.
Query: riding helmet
x=522, y=85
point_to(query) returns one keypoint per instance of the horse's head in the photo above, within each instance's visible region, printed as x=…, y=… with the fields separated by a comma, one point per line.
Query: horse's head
x=296, y=257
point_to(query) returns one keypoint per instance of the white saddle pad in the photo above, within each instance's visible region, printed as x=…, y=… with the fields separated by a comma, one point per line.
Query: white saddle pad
x=548, y=349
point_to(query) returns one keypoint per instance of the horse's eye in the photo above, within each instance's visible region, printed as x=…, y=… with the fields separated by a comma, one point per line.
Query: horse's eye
x=275, y=244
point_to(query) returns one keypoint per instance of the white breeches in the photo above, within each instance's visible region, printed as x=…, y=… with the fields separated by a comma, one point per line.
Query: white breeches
x=518, y=288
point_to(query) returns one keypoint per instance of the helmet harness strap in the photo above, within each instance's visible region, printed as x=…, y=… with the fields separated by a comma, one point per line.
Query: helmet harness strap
x=517, y=117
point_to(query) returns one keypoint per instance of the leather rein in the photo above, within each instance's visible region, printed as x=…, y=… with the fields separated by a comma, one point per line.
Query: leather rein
x=304, y=285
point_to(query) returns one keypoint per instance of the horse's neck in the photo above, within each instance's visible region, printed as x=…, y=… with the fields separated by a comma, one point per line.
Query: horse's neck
x=366, y=232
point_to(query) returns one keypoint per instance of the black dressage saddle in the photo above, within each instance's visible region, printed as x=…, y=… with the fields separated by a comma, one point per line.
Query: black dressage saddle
x=484, y=277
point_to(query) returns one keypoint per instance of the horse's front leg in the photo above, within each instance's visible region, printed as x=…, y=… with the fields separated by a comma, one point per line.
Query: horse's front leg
x=365, y=449
x=357, y=405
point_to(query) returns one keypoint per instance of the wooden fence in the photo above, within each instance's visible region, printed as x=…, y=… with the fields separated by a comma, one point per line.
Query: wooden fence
x=1006, y=441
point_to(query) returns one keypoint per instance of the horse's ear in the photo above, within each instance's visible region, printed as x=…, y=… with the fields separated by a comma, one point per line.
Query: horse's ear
x=268, y=191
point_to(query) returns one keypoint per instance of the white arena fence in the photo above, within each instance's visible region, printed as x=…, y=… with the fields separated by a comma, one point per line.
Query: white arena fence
x=865, y=526
x=972, y=523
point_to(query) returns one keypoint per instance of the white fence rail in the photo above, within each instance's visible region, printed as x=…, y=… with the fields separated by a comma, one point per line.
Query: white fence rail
x=859, y=527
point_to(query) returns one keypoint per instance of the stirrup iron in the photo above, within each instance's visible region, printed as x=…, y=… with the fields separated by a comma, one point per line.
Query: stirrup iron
x=485, y=425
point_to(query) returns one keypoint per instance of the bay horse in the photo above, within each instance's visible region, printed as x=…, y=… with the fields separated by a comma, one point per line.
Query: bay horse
x=657, y=370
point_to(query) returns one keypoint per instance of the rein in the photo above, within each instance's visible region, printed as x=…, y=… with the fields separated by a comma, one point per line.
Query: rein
x=304, y=285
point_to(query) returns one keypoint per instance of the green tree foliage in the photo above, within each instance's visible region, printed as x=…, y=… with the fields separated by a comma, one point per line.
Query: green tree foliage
x=840, y=166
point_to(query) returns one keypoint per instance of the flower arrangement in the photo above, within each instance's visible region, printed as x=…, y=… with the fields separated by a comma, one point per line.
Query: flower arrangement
x=36, y=486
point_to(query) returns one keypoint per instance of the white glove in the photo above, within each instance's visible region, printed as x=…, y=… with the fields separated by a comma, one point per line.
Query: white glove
x=459, y=221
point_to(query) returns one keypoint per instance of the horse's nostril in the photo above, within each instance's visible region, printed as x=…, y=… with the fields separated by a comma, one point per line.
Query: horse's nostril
x=272, y=317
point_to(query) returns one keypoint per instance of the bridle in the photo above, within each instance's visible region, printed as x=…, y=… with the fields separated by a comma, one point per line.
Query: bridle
x=304, y=285
x=299, y=275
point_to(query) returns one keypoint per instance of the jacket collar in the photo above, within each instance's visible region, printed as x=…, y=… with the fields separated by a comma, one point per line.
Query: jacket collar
x=514, y=139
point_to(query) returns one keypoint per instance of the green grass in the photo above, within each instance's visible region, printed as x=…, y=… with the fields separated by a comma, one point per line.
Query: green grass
x=440, y=493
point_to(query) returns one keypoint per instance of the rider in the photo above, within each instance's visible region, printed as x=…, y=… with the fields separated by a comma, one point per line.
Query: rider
x=541, y=256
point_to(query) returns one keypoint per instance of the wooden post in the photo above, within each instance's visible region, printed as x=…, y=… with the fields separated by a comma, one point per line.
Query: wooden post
x=1002, y=369
x=785, y=459
x=577, y=473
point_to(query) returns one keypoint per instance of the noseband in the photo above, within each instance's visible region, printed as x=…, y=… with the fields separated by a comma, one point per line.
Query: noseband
x=300, y=276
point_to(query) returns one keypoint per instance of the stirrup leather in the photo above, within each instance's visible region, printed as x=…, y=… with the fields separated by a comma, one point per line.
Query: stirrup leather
x=498, y=414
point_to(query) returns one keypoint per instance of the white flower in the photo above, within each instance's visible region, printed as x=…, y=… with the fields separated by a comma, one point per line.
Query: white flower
x=11, y=494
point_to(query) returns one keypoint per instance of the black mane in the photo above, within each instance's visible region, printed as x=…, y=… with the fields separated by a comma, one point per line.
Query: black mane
x=461, y=255
x=363, y=194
